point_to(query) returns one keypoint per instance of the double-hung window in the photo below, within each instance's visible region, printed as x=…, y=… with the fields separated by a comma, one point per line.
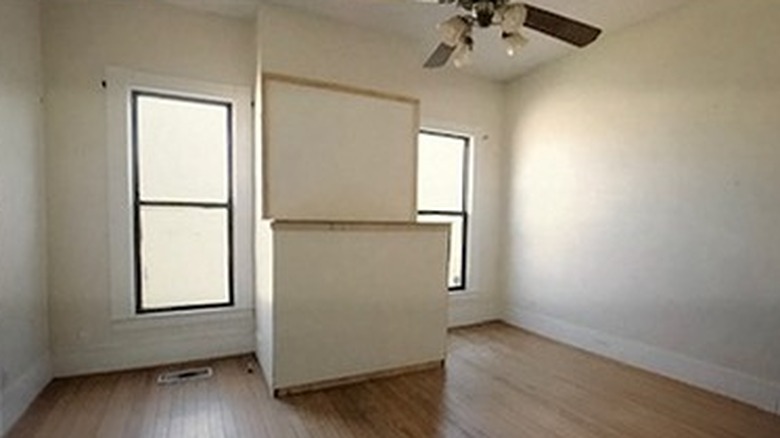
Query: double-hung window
x=182, y=202
x=180, y=198
x=442, y=194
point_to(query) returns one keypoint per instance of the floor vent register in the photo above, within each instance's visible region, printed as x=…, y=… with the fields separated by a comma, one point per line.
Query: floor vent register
x=186, y=375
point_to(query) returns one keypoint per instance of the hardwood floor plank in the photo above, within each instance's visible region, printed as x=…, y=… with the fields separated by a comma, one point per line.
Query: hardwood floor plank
x=499, y=382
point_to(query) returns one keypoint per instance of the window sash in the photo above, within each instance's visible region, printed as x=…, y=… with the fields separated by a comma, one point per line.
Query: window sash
x=139, y=203
x=184, y=257
x=462, y=213
x=442, y=171
x=178, y=138
x=463, y=247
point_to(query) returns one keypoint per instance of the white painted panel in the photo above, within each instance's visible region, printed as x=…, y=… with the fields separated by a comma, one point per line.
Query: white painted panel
x=338, y=155
x=351, y=300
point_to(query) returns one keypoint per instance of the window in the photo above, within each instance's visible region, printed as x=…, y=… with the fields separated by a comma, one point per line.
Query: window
x=180, y=191
x=182, y=201
x=442, y=187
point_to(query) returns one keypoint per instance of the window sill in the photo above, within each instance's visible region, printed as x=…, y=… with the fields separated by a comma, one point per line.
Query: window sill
x=181, y=318
x=462, y=293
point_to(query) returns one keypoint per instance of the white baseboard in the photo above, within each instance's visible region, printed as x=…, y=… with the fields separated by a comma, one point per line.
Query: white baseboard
x=470, y=308
x=734, y=384
x=20, y=393
x=124, y=356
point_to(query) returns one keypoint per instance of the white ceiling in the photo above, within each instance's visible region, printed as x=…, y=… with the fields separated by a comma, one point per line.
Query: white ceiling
x=418, y=21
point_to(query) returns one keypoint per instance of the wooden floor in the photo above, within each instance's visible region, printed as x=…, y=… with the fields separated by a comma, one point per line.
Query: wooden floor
x=498, y=382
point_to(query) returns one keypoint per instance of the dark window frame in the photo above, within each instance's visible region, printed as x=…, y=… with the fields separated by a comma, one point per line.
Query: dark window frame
x=139, y=203
x=463, y=213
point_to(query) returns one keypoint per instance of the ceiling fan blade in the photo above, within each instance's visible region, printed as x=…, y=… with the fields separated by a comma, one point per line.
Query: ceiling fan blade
x=566, y=29
x=440, y=56
x=434, y=2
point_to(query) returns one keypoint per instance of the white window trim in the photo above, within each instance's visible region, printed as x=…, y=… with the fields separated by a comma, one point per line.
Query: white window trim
x=119, y=83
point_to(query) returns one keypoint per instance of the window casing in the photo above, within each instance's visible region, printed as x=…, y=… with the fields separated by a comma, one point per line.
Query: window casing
x=119, y=85
x=443, y=181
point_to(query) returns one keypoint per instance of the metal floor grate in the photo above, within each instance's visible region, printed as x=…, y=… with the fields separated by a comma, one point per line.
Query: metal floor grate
x=185, y=375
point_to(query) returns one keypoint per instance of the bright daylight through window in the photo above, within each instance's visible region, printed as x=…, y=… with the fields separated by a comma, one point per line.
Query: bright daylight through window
x=182, y=202
x=442, y=187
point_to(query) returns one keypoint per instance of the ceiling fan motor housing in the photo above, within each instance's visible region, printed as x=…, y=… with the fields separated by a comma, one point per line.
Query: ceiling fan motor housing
x=484, y=10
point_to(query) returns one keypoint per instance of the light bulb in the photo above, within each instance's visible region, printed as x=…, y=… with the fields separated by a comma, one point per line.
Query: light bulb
x=515, y=42
x=462, y=55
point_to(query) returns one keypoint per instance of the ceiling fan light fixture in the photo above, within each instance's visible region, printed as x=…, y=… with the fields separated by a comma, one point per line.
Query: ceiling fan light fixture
x=513, y=17
x=451, y=31
x=462, y=55
x=515, y=41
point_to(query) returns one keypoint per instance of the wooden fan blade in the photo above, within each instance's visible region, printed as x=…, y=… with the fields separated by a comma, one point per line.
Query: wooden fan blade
x=557, y=26
x=440, y=56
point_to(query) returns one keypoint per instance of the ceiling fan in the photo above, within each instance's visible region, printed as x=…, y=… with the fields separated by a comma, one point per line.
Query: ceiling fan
x=456, y=33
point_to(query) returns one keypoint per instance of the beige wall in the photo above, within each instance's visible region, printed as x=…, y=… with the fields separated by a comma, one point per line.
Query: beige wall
x=302, y=44
x=24, y=357
x=643, y=198
x=80, y=40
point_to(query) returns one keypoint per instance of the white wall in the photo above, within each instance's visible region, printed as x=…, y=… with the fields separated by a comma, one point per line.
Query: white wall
x=301, y=44
x=320, y=169
x=263, y=239
x=389, y=312
x=24, y=357
x=80, y=40
x=264, y=298
x=643, y=198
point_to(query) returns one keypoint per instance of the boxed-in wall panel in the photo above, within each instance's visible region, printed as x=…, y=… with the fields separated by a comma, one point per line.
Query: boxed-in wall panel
x=332, y=152
x=356, y=299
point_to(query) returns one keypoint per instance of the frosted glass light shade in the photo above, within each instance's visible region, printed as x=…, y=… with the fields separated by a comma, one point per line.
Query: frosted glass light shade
x=451, y=31
x=513, y=17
